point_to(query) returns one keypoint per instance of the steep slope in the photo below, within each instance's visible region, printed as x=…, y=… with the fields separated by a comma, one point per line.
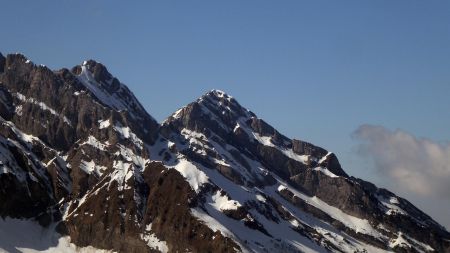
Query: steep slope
x=306, y=183
x=75, y=153
x=80, y=155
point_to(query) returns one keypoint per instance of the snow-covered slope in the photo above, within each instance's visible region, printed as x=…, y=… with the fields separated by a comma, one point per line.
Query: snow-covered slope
x=257, y=168
x=29, y=237
x=82, y=163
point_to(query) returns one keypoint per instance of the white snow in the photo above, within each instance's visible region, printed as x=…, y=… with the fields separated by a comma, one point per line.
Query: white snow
x=236, y=127
x=197, y=141
x=23, y=143
x=130, y=156
x=325, y=171
x=400, y=241
x=126, y=133
x=42, y=105
x=28, y=236
x=90, y=167
x=203, y=145
x=221, y=94
x=405, y=241
x=122, y=173
x=211, y=222
x=357, y=224
x=324, y=158
x=194, y=137
x=171, y=145
x=261, y=198
x=104, y=123
x=266, y=141
x=391, y=205
x=115, y=101
x=152, y=241
x=176, y=115
x=285, y=239
x=27, y=138
x=193, y=175
x=424, y=246
x=18, y=110
x=95, y=143
x=88, y=80
x=222, y=202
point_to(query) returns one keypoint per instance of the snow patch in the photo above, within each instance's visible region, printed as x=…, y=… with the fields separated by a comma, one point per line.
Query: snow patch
x=357, y=224
x=391, y=205
x=130, y=156
x=90, y=167
x=325, y=171
x=122, y=173
x=266, y=141
x=222, y=202
x=193, y=175
x=113, y=100
x=42, y=105
x=126, y=133
x=324, y=157
x=152, y=241
x=104, y=124
x=260, y=198
x=95, y=143
x=28, y=236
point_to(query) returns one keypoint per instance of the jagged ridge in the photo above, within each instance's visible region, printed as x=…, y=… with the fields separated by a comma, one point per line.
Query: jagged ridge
x=223, y=181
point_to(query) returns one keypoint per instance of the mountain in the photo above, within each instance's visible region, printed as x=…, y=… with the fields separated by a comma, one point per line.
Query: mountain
x=84, y=168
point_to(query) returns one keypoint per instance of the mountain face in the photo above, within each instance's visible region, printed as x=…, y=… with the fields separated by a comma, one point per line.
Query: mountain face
x=80, y=156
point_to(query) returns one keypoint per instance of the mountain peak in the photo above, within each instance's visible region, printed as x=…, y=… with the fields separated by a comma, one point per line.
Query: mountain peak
x=221, y=103
x=78, y=148
x=98, y=71
x=109, y=91
x=16, y=57
x=218, y=94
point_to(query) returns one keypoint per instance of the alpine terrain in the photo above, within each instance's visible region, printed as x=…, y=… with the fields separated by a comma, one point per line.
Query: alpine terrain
x=85, y=168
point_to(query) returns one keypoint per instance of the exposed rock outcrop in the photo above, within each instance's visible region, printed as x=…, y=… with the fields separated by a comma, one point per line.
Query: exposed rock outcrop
x=77, y=149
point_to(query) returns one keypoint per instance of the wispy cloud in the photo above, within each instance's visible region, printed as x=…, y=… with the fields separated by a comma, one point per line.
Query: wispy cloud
x=411, y=164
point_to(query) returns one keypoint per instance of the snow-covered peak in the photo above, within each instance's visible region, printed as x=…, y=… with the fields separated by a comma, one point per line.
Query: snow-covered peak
x=100, y=73
x=91, y=62
x=109, y=90
x=217, y=106
x=98, y=89
x=221, y=103
x=218, y=94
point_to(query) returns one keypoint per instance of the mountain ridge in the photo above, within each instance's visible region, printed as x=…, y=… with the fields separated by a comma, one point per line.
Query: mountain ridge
x=98, y=163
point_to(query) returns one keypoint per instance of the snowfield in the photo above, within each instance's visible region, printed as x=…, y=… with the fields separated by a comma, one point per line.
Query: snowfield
x=28, y=236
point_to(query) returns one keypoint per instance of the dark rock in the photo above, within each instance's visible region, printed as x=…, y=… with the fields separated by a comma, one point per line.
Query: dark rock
x=2, y=63
x=80, y=156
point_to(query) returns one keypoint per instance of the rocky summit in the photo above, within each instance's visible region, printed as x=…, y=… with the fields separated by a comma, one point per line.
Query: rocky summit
x=85, y=168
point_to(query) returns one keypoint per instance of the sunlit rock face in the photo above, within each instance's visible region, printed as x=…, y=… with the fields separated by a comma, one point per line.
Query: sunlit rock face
x=82, y=158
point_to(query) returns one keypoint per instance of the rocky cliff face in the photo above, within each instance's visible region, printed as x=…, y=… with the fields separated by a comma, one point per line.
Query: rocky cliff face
x=77, y=150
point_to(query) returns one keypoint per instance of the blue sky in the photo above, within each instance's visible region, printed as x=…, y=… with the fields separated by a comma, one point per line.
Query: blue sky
x=316, y=70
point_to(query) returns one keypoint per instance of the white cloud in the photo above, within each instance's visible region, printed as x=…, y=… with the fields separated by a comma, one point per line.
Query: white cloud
x=411, y=164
